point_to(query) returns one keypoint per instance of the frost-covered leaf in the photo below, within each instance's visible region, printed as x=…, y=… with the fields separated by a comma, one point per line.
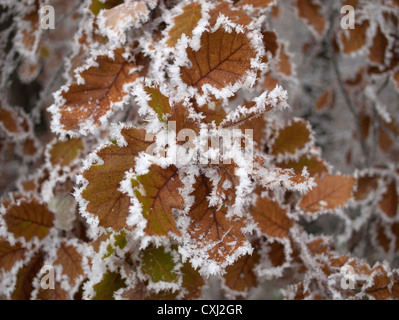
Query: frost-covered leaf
x=10, y=254
x=389, y=202
x=291, y=138
x=378, y=47
x=118, y=19
x=272, y=219
x=71, y=261
x=310, y=11
x=159, y=264
x=331, y=192
x=223, y=59
x=313, y=164
x=235, y=15
x=240, y=276
x=158, y=192
x=64, y=152
x=185, y=23
x=354, y=39
x=211, y=231
x=85, y=104
x=28, y=219
x=104, y=199
x=110, y=282
x=24, y=286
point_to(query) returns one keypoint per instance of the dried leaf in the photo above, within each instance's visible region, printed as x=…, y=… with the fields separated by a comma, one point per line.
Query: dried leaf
x=310, y=11
x=24, y=287
x=271, y=218
x=291, y=138
x=9, y=254
x=185, y=23
x=314, y=165
x=210, y=229
x=104, y=87
x=158, y=192
x=378, y=48
x=71, y=261
x=240, y=276
x=105, y=201
x=389, y=202
x=29, y=219
x=354, y=39
x=331, y=192
x=64, y=152
x=223, y=59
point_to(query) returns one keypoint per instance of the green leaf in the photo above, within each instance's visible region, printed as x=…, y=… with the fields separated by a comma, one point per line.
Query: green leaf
x=105, y=289
x=158, y=264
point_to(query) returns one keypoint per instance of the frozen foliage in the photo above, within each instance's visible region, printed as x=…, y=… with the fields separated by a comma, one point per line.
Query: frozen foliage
x=192, y=149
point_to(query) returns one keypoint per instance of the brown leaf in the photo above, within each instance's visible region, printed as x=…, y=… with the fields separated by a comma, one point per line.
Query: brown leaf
x=240, y=276
x=326, y=100
x=192, y=282
x=29, y=219
x=223, y=59
x=116, y=19
x=9, y=254
x=291, y=138
x=104, y=87
x=64, y=152
x=354, y=39
x=365, y=185
x=234, y=15
x=310, y=11
x=53, y=294
x=185, y=23
x=313, y=165
x=256, y=3
x=284, y=65
x=105, y=201
x=71, y=261
x=210, y=228
x=271, y=218
x=378, y=47
x=158, y=192
x=24, y=286
x=389, y=202
x=331, y=192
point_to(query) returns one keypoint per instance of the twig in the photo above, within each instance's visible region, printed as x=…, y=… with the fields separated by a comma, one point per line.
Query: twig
x=341, y=85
